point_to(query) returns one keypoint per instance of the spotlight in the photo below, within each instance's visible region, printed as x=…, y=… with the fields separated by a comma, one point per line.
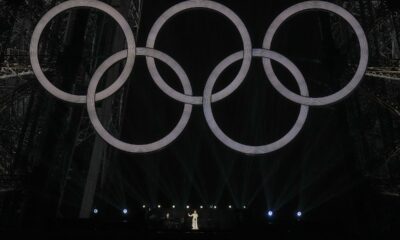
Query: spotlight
x=159, y=206
x=144, y=206
x=270, y=213
x=187, y=207
x=125, y=211
x=201, y=207
x=173, y=206
x=299, y=214
x=244, y=207
x=230, y=206
x=95, y=211
x=215, y=206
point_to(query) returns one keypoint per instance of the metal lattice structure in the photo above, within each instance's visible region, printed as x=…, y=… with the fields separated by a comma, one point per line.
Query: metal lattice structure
x=375, y=112
x=25, y=109
x=18, y=92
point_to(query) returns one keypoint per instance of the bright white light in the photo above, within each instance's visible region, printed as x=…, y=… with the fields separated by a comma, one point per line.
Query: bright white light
x=201, y=207
x=125, y=211
x=173, y=206
x=299, y=214
x=159, y=206
x=95, y=211
x=144, y=206
x=270, y=213
x=244, y=207
x=215, y=206
x=187, y=207
x=230, y=206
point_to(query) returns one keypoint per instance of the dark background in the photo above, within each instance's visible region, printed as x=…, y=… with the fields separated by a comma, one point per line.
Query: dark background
x=330, y=171
x=316, y=170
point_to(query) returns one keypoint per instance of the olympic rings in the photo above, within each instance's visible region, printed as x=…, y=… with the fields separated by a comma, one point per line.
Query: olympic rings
x=246, y=54
x=362, y=66
x=207, y=5
x=255, y=149
x=79, y=4
x=131, y=148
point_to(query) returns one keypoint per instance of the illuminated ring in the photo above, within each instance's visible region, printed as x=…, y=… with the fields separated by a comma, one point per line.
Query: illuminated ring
x=198, y=100
x=362, y=66
x=254, y=150
x=131, y=148
x=77, y=4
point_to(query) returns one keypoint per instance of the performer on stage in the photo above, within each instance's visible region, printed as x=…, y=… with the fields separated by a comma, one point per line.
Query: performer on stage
x=194, y=217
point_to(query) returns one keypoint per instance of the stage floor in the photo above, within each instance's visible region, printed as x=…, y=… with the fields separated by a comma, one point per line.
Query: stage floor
x=126, y=230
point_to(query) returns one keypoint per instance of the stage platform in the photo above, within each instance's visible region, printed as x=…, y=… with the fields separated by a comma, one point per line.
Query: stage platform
x=130, y=230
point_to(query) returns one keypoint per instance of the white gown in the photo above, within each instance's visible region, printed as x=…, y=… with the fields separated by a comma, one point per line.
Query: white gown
x=194, y=217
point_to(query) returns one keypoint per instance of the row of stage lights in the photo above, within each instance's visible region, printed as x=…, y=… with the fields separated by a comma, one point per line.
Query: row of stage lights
x=125, y=211
x=188, y=207
x=270, y=214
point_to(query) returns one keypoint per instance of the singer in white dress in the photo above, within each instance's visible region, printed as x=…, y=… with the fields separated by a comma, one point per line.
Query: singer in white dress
x=194, y=217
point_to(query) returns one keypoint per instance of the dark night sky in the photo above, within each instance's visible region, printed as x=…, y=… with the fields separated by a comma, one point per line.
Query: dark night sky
x=198, y=169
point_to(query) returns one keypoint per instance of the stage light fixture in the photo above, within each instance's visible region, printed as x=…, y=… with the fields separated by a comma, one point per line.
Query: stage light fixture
x=144, y=206
x=173, y=206
x=95, y=211
x=215, y=206
x=299, y=214
x=201, y=207
x=270, y=213
x=125, y=211
x=159, y=206
x=230, y=206
x=187, y=207
x=244, y=207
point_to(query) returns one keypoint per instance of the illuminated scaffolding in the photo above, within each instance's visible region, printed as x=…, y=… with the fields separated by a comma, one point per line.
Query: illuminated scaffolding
x=374, y=113
x=25, y=108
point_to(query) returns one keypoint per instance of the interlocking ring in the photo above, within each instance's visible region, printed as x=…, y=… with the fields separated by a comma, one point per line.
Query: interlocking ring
x=255, y=149
x=132, y=148
x=208, y=97
x=37, y=33
x=362, y=65
x=219, y=9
